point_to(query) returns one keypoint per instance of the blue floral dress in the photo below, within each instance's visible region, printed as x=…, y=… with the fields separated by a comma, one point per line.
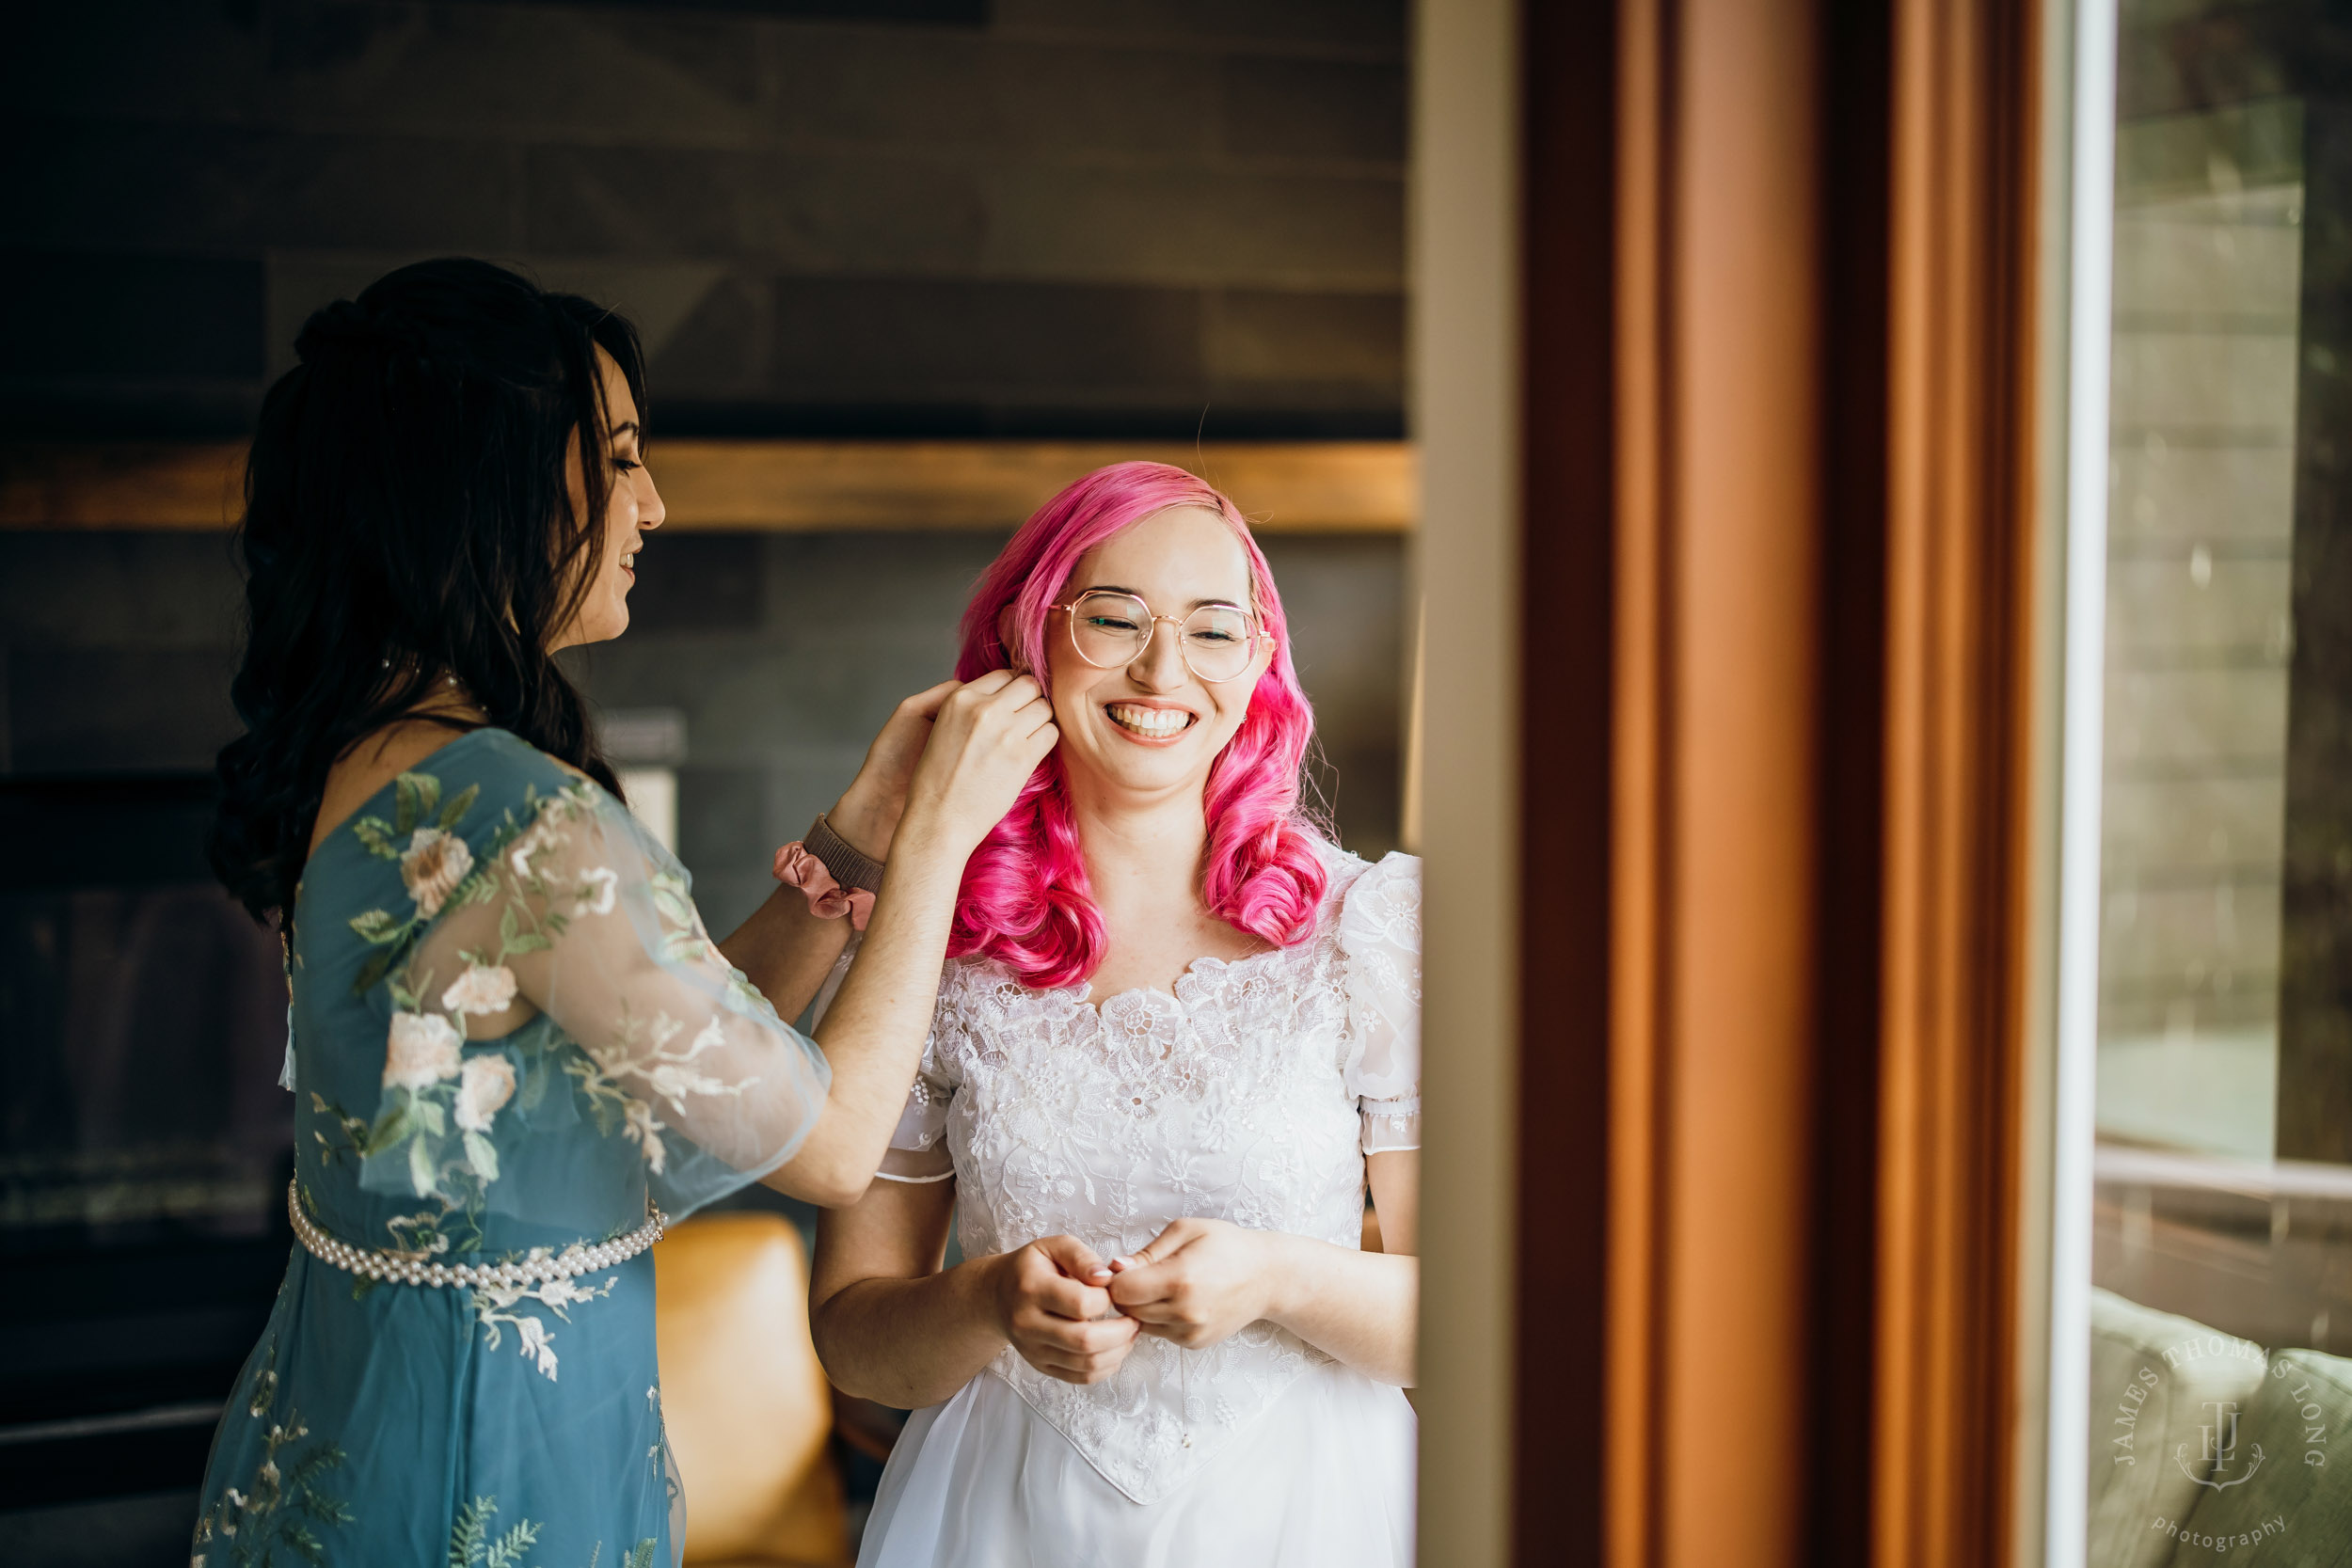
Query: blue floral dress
x=512, y=1038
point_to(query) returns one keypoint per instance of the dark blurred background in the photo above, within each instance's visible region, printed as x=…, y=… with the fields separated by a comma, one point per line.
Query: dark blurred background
x=1015, y=220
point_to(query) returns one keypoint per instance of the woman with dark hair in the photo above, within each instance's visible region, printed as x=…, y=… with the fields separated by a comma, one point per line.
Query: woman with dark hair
x=515, y=1048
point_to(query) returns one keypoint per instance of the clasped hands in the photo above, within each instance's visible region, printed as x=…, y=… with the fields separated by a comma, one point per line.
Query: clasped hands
x=1074, y=1316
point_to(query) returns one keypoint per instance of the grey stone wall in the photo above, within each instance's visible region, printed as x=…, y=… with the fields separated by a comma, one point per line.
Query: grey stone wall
x=784, y=652
x=2208, y=254
x=1124, y=217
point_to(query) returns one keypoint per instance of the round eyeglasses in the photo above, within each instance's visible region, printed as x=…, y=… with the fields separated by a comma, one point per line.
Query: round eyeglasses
x=1110, y=630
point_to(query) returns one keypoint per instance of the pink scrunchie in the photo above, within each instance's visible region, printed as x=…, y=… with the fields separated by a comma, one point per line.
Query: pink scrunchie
x=827, y=898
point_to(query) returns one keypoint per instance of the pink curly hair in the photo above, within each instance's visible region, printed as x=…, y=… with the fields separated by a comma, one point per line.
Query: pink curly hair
x=1024, y=901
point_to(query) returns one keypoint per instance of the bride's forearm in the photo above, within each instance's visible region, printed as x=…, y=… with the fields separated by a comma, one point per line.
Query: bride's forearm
x=1359, y=1307
x=907, y=1343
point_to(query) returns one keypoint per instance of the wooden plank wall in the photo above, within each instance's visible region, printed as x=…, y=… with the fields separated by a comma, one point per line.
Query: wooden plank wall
x=777, y=485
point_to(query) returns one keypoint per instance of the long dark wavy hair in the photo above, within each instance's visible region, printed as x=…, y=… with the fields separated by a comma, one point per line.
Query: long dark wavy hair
x=408, y=516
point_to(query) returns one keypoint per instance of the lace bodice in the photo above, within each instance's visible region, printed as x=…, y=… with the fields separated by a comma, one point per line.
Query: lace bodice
x=1250, y=1095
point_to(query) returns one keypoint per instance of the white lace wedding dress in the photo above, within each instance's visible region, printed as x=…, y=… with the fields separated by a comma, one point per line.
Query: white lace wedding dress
x=1251, y=1095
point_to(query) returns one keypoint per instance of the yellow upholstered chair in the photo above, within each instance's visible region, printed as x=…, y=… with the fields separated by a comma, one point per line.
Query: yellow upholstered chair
x=746, y=1403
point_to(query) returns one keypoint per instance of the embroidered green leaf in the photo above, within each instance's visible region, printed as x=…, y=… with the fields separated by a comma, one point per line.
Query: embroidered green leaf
x=306, y=1546
x=470, y=1533
x=421, y=1167
x=262, y=1518
x=395, y=1125
x=378, y=925
x=429, y=1116
x=455, y=811
x=415, y=798
x=534, y=1085
x=606, y=1100
x=481, y=1156
x=318, y=1461
x=508, y=1552
x=641, y=1555
x=513, y=939
x=672, y=897
x=378, y=965
x=747, y=999
x=376, y=835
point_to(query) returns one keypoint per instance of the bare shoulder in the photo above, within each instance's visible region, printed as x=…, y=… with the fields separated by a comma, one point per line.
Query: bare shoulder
x=375, y=762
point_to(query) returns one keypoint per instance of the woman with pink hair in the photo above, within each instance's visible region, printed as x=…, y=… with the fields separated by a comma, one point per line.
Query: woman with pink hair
x=1178, y=1032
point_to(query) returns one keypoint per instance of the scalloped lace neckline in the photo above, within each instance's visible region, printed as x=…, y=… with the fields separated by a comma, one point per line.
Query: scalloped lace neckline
x=1081, y=994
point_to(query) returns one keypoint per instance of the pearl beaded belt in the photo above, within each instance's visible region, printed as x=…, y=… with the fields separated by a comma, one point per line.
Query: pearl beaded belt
x=401, y=1269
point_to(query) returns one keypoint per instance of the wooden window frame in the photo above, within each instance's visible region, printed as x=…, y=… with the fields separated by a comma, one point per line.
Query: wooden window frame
x=1775, y=526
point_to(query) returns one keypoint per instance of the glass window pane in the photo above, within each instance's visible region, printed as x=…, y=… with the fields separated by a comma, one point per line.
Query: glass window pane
x=2221, y=1395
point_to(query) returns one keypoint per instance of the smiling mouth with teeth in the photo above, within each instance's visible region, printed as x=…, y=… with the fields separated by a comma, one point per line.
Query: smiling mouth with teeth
x=1153, y=724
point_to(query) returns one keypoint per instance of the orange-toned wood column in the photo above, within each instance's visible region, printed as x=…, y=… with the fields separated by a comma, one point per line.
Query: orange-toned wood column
x=1672, y=550
x=1774, y=741
x=1955, y=940
x=1738, y=554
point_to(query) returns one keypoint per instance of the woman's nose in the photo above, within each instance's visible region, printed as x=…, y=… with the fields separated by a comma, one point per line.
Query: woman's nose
x=1161, y=665
x=650, y=512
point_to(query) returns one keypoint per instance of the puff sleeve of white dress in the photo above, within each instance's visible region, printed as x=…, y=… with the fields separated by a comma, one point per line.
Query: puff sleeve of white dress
x=1380, y=939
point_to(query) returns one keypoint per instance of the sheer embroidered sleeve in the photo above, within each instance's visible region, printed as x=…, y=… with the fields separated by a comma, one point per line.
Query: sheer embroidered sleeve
x=1380, y=938
x=569, y=913
x=918, y=1148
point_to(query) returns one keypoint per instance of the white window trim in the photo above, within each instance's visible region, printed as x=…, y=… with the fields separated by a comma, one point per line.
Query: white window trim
x=2089, y=307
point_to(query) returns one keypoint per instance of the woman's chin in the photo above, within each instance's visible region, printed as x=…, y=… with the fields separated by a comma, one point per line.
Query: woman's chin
x=1141, y=769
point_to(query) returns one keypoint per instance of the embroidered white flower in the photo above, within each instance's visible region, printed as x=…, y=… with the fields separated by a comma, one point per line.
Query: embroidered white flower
x=483, y=988
x=641, y=1130
x=485, y=1084
x=535, y=1346
x=560, y=1293
x=596, y=888
x=496, y=1305
x=434, y=863
x=673, y=1079
x=674, y=1083
x=422, y=1051
x=541, y=837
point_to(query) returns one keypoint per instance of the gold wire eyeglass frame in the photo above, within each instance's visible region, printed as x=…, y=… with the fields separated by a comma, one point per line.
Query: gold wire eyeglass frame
x=1151, y=623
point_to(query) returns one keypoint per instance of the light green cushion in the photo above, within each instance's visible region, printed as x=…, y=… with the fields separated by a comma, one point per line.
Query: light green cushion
x=2152, y=1373
x=2297, y=1508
